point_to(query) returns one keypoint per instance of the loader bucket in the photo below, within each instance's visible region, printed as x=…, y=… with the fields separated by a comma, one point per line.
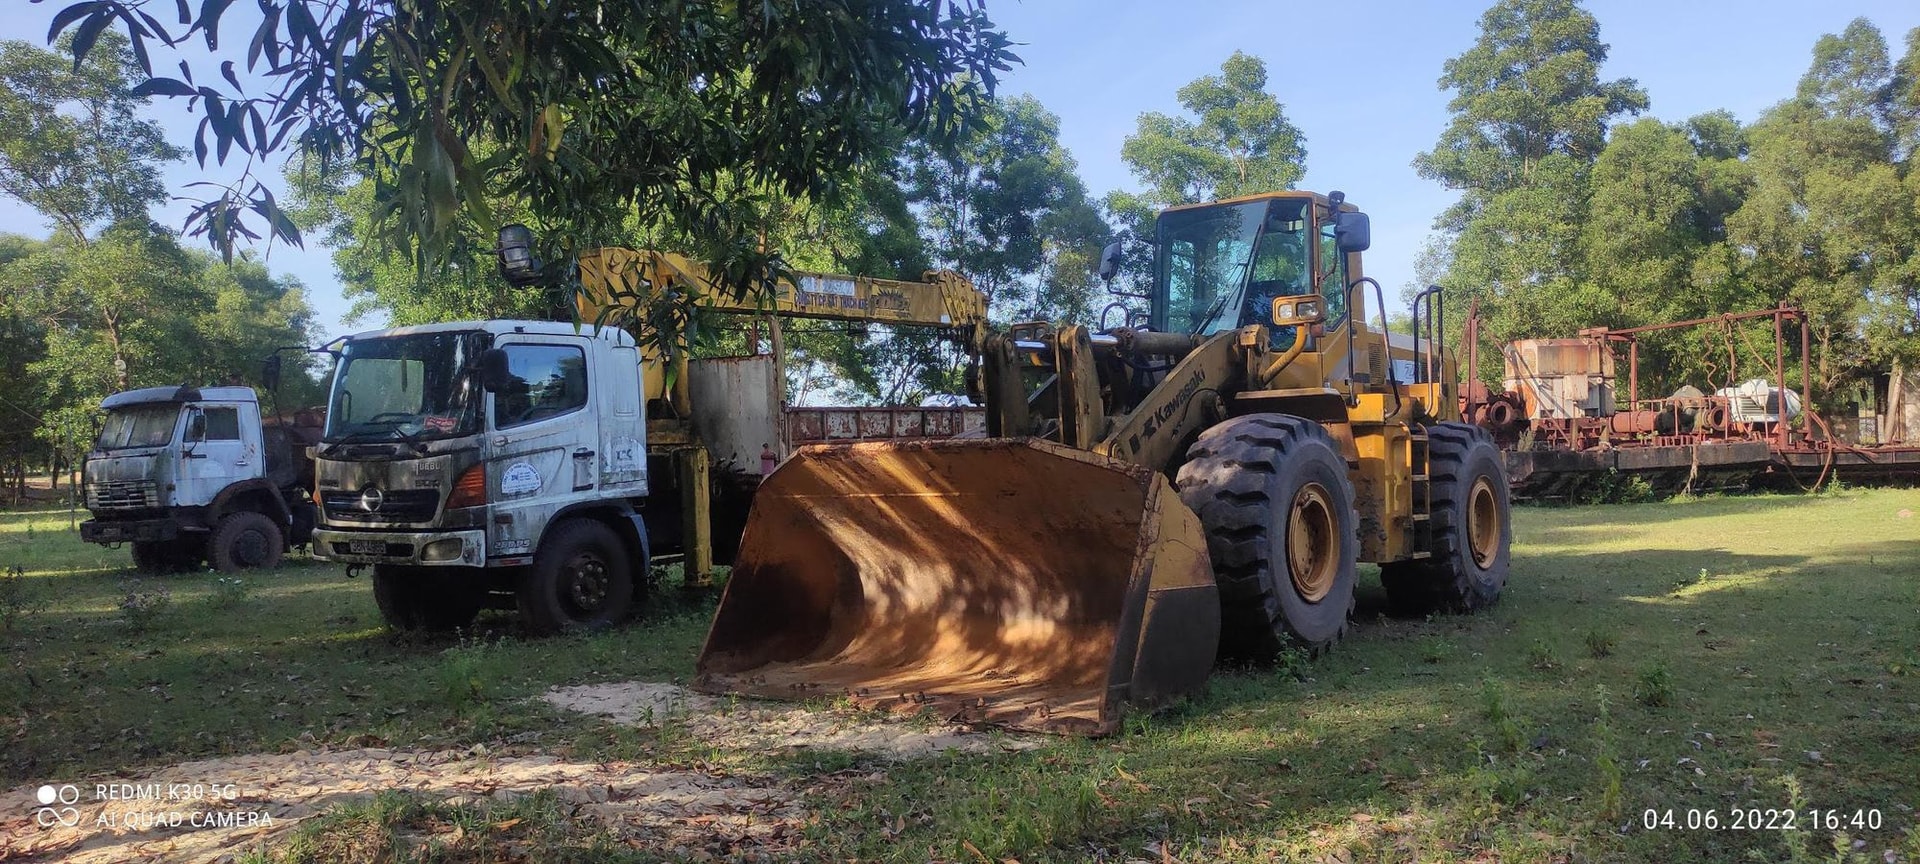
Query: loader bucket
x=1000, y=581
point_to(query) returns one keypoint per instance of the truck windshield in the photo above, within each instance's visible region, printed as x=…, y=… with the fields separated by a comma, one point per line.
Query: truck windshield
x=1201, y=267
x=413, y=387
x=139, y=426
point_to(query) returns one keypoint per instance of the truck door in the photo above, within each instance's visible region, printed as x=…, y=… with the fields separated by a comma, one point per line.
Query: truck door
x=623, y=433
x=544, y=437
x=213, y=453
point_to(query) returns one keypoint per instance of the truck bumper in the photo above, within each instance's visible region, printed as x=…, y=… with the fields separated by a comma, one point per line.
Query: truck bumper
x=129, y=531
x=430, y=549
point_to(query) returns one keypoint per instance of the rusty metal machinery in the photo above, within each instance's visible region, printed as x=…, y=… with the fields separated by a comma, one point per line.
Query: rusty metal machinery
x=1560, y=426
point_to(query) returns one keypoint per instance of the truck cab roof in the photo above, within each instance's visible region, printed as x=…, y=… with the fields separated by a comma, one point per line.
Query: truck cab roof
x=584, y=329
x=182, y=393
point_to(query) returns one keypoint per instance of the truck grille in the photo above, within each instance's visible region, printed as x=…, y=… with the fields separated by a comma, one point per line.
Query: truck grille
x=396, y=505
x=123, y=495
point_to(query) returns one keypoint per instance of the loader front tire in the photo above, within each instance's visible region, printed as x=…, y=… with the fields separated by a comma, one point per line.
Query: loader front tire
x=1272, y=493
x=580, y=580
x=1472, y=523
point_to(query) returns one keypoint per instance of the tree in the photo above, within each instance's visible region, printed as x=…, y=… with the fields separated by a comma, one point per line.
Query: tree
x=1530, y=117
x=71, y=144
x=592, y=114
x=1830, y=221
x=1005, y=207
x=1238, y=142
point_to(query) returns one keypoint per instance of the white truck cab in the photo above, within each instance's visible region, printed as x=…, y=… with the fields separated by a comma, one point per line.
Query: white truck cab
x=186, y=474
x=488, y=462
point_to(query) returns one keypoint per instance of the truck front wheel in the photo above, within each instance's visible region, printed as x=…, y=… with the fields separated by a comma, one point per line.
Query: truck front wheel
x=243, y=541
x=580, y=580
x=426, y=598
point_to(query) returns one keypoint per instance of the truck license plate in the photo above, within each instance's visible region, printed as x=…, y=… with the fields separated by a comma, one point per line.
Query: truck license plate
x=367, y=547
x=107, y=533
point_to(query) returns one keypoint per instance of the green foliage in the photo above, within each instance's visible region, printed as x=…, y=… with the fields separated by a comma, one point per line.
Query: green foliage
x=1653, y=685
x=1008, y=211
x=591, y=113
x=111, y=301
x=1237, y=140
x=71, y=145
x=1530, y=117
x=1606, y=758
x=143, y=605
x=1600, y=643
x=17, y=598
x=229, y=593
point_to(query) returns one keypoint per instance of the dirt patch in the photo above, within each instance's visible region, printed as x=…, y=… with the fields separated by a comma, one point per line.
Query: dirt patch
x=757, y=725
x=216, y=809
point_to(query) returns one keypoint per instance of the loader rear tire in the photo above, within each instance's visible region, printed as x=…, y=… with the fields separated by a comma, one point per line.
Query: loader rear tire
x=580, y=580
x=430, y=599
x=1272, y=493
x=1472, y=528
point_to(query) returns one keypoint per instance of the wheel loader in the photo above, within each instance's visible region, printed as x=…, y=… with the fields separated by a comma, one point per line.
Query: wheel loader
x=1198, y=484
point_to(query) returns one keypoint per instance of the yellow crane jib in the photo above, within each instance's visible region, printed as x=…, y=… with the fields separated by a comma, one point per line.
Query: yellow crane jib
x=631, y=277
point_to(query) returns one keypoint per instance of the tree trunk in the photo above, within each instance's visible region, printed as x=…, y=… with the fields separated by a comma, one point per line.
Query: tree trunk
x=119, y=352
x=1896, y=407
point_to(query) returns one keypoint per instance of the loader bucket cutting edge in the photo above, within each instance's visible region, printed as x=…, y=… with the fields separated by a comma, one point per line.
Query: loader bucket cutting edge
x=1009, y=582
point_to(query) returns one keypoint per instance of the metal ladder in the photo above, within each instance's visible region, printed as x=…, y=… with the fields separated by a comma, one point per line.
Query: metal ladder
x=1422, y=491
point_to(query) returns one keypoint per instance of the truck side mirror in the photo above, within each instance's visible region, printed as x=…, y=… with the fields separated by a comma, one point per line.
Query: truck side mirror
x=1110, y=262
x=1352, y=231
x=270, y=373
x=494, y=374
x=197, y=426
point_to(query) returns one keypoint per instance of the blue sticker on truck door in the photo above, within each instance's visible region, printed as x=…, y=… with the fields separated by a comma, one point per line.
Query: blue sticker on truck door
x=520, y=478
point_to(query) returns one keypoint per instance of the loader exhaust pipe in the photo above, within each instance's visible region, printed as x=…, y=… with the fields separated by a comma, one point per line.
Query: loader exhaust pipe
x=1008, y=582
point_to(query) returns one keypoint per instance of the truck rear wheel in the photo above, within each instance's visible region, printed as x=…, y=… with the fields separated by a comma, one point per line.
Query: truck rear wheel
x=580, y=580
x=243, y=541
x=1472, y=527
x=1272, y=492
x=426, y=598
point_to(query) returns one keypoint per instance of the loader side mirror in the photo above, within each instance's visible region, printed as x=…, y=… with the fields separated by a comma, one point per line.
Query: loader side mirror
x=1352, y=231
x=270, y=373
x=494, y=374
x=1110, y=262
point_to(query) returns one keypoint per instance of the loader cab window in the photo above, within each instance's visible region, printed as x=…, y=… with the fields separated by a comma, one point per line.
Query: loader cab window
x=1220, y=267
x=1333, y=273
x=548, y=381
x=1281, y=266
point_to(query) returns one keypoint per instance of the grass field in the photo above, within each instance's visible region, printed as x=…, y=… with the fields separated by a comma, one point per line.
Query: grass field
x=1649, y=662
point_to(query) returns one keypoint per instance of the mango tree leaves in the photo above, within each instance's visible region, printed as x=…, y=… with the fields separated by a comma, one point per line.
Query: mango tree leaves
x=601, y=110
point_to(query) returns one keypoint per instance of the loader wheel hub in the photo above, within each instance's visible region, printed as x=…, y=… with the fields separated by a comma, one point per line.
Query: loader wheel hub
x=1483, y=523
x=1313, y=545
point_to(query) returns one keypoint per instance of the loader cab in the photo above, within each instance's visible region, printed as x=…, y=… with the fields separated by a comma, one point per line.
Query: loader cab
x=1219, y=266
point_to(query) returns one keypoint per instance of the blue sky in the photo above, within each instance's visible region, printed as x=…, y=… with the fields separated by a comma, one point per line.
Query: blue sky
x=1357, y=78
